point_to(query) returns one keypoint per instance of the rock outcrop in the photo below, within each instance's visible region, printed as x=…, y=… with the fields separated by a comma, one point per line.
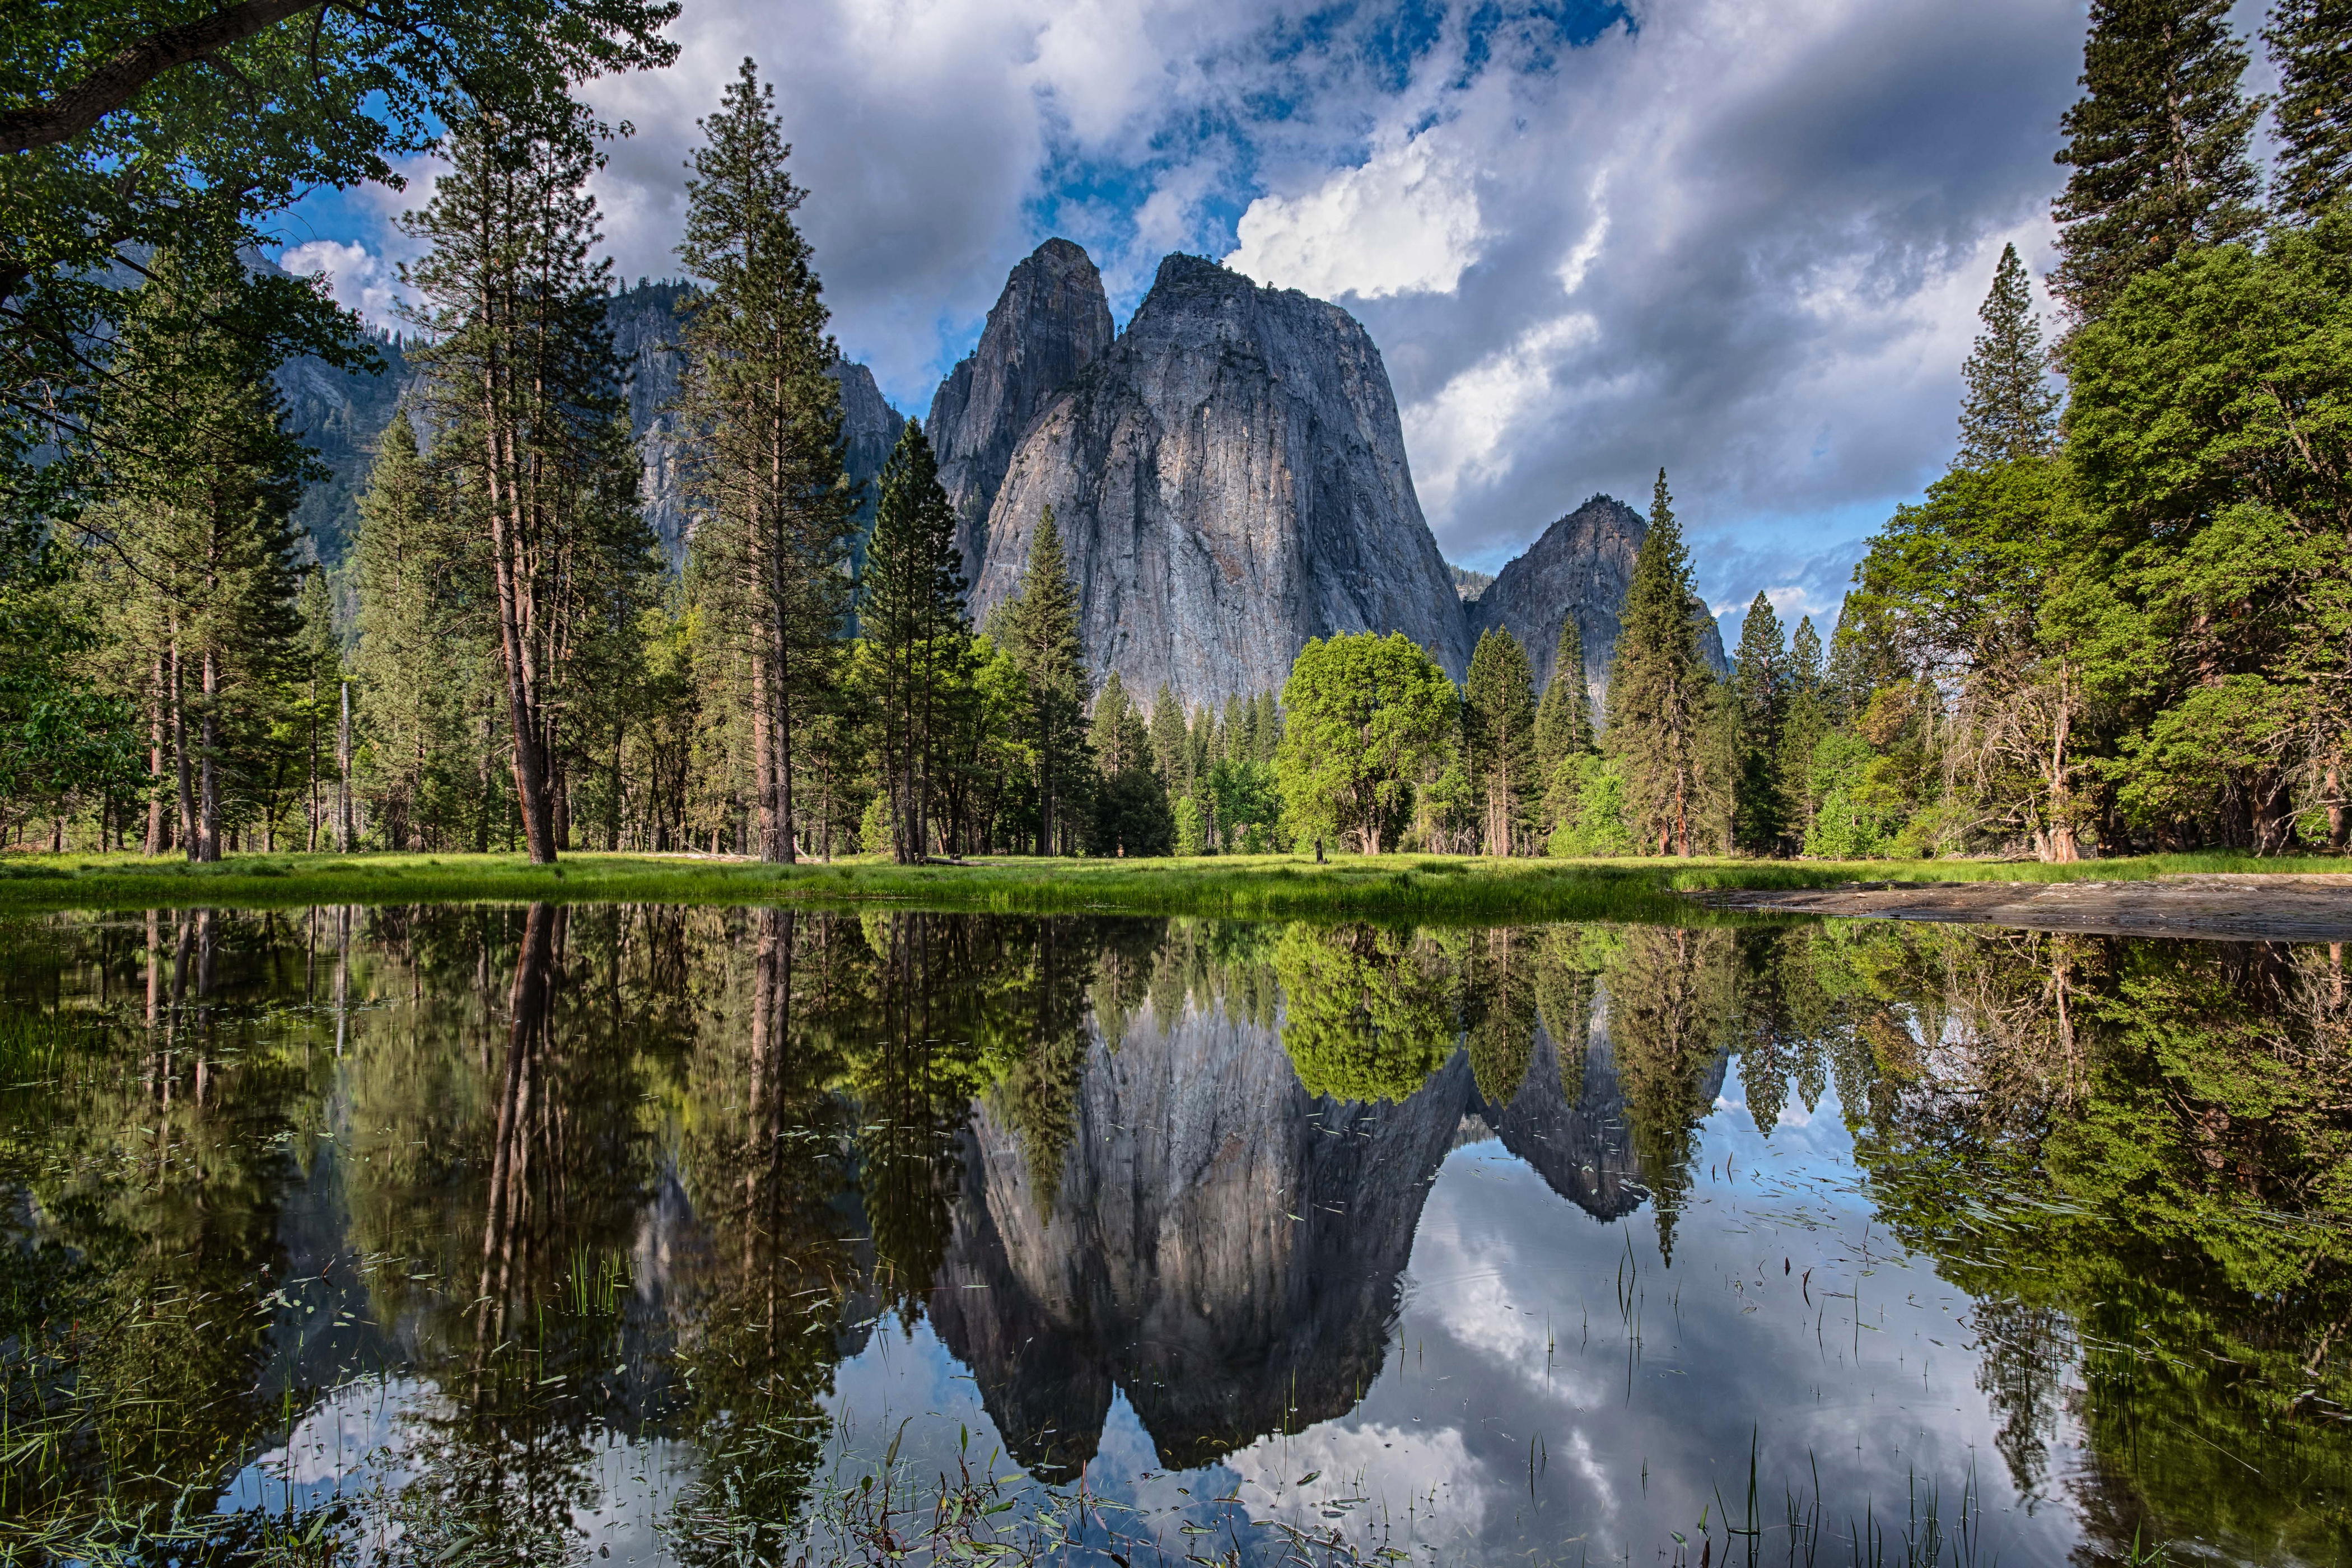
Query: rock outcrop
x=1229, y=480
x=869, y=429
x=1581, y=567
x=1050, y=323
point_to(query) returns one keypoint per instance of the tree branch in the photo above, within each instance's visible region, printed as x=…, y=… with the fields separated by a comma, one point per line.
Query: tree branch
x=111, y=85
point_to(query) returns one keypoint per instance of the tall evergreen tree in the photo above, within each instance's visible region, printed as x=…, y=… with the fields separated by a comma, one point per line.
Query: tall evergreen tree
x=912, y=617
x=1807, y=720
x=1564, y=716
x=2157, y=145
x=1760, y=688
x=762, y=428
x=521, y=369
x=2011, y=411
x=1661, y=696
x=1498, y=734
x=1041, y=631
x=1170, y=754
x=202, y=477
x=421, y=655
x=2311, y=41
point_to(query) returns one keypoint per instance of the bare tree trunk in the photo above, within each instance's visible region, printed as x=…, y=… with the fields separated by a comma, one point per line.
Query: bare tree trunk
x=764, y=757
x=179, y=760
x=158, y=831
x=208, y=791
x=343, y=773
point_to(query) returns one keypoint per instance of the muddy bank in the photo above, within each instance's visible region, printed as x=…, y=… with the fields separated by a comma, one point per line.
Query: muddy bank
x=2218, y=907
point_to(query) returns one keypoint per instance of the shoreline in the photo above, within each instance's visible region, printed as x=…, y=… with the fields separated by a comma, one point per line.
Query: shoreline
x=1459, y=889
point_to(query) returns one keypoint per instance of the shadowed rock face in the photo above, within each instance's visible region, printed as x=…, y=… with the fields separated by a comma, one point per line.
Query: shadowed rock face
x=869, y=429
x=1581, y=567
x=1050, y=323
x=1170, y=1265
x=1230, y=480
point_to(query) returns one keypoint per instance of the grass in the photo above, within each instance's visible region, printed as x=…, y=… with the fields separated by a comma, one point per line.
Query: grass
x=1416, y=887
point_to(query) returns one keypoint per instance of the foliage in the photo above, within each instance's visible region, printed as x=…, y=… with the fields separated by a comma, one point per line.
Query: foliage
x=1366, y=1015
x=1669, y=727
x=1364, y=715
x=2010, y=412
x=1499, y=739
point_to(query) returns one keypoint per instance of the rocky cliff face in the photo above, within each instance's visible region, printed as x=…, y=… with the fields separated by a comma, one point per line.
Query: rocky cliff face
x=1050, y=323
x=342, y=414
x=1581, y=567
x=1229, y=480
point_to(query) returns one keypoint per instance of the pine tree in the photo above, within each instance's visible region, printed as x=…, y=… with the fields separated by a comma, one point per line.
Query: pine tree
x=763, y=440
x=912, y=615
x=1759, y=685
x=1806, y=721
x=203, y=479
x=1564, y=716
x=2157, y=144
x=1660, y=694
x=1041, y=631
x=413, y=563
x=1499, y=733
x=521, y=370
x=2311, y=41
x=1170, y=754
x=1269, y=727
x=2011, y=411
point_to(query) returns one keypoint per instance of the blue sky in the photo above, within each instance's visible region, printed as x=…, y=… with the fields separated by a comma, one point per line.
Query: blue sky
x=1743, y=242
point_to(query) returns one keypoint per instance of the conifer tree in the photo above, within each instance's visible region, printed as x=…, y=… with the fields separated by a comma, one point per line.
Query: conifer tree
x=1564, y=716
x=912, y=615
x=521, y=370
x=2158, y=144
x=1759, y=685
x=1806, y=721
x=1661, y=696
x=1269, y=727
x=762, y=437
x=2011, y=411
x=1499, y=733
x=1040, y=632
x=203, y=479
x=1170, y=754
x=2310, y=41
x=413, y=566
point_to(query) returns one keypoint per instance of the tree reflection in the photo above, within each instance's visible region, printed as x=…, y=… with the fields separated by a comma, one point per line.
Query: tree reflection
x=1367, y=1010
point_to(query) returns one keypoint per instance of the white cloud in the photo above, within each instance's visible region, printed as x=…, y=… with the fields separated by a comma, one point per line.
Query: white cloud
x=1405, y=223
x=1429, y=1473
x=359, y=279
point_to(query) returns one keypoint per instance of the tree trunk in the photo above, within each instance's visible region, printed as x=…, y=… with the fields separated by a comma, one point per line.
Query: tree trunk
x=343, y=773
x=179, y=760
x=2339, y=819
x=158, y=832
x=208, y=795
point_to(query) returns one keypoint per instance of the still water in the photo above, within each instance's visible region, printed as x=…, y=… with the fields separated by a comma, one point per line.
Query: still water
x=650, y=1235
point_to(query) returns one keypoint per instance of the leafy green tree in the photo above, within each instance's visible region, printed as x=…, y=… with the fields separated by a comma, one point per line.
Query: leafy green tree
x=1039, y=628
x=1131, y=815
x=1171, y=754
x=1590, y=791
x=762, y=435
x=912, y=618
x=1665, y=705
x=146, y=125
x=1364, y=714
x=1498, y=723
x=61, y=740
x=1759, y=690
x=2311, y=41
x=1984, y=590
x=2011, y=411
x=2209, y=432
x=2158, y=146
x=1365, y=1011
x=1563, y=731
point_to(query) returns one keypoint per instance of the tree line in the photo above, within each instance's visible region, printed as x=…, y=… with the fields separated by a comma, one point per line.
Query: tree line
x=2122, y=621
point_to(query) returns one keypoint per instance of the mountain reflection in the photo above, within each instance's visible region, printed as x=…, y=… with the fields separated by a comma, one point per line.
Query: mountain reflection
x=654, y=1175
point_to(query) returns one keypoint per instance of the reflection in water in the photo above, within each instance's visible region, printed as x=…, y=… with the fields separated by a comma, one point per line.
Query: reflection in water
x=524, y=1232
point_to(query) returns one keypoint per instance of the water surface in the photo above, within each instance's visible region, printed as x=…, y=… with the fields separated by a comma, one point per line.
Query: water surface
x=500, y=1234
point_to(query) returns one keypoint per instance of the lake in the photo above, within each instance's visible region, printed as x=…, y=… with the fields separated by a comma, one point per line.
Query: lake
x=647, y=1234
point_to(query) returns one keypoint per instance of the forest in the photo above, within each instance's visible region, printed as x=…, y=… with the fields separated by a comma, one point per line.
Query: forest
x=2121, y=622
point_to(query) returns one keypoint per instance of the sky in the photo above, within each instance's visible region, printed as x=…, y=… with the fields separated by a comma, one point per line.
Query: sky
x=1591, y=238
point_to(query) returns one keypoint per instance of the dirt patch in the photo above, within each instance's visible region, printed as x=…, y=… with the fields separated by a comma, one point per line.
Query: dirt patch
x=2216, y=908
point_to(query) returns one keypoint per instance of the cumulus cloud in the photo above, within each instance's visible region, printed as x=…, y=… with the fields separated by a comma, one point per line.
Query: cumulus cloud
x=359, y=279
x=1405, y=223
